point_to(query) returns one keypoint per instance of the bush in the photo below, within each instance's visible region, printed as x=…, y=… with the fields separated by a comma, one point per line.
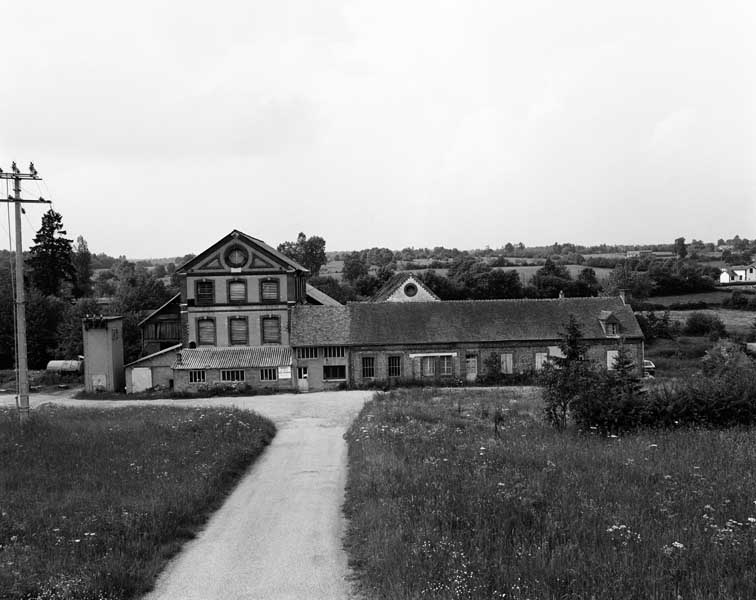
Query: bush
x=699, y=323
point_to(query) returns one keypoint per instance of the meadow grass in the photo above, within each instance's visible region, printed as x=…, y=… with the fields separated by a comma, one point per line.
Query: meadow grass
x=468, y=494
x=94, y=502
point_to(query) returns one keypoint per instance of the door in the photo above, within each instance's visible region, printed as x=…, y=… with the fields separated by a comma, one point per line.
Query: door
x=471, y=367
x=141, y=379
x=303, y=384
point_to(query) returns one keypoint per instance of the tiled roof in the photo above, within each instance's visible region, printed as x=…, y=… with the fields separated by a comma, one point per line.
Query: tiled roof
x=321, y=297
x=368, y=323
x=395, y=283
x=483, y=320
x=319, y=325
x=234, y=357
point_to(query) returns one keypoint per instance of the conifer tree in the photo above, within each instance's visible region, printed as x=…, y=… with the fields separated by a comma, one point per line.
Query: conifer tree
x=51, y=255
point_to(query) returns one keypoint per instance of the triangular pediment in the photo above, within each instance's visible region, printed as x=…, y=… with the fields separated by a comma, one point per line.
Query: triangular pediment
x=239, y=252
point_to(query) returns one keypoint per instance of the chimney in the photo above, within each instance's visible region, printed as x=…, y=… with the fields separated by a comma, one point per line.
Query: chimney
x=178, y=357
x=622, y=296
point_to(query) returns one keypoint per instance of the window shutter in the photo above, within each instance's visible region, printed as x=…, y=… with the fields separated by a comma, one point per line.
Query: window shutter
x=271, y=330
x=239, y=332
x=206, y=332
x=237, y=291
x=506, y=363
x=270, y=291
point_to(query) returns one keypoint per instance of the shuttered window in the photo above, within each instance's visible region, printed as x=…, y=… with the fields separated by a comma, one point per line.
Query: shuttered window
x=269, y=291
x=237, y=292
x=205, y=293
x=506, y=363
x=238, y=331
x=206, y=332
x=271, y=330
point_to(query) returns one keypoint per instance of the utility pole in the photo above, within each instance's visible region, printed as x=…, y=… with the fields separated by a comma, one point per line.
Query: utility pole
x=22, y=379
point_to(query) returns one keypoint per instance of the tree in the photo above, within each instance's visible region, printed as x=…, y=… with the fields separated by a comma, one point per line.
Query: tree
x=82, y=266
x=51, y=255
x=566, y=378
x=354, y=267
x=308, y=252
x=680, y=250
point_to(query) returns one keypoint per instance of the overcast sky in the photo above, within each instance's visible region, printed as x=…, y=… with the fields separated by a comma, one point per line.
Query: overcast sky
x=161, y=126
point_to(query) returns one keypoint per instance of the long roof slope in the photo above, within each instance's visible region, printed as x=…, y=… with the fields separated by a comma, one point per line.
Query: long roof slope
x=456, y=321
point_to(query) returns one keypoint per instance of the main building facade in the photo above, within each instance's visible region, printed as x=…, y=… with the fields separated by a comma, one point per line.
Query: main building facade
x=246, y=316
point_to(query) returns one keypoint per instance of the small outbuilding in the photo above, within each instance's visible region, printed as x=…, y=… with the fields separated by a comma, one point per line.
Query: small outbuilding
x=152, y=372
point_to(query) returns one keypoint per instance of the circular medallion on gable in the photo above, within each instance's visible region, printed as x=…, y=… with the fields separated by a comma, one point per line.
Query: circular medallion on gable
x=410, y=290
x=237, y=257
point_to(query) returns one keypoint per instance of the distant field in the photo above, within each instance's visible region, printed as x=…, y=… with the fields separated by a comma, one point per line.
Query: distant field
x=527, y=273
x=735, y=321
x=716, y=297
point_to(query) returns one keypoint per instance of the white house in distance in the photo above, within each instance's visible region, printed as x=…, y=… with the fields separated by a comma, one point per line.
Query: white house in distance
x=738, y=274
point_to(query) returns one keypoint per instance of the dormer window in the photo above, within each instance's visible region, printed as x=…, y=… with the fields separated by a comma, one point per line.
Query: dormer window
x=609, y=323
x=611, y=329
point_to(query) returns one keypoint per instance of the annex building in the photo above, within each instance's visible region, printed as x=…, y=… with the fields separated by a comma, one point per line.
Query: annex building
x=245, y=315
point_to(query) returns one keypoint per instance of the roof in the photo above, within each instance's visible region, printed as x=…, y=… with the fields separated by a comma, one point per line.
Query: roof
x=320, y=297
x=319, y=325
x=233, y=357
x=395, y=283
x=368, y=323
x=157, y=311
x=154, y=355
x=254, y=242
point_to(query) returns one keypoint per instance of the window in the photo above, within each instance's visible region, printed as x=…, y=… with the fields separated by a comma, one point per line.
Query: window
x=307, y=352
x=333, y=351
x=506, y=363
x=394, y=366
x=611, y=357
x=271, y=330
x=269, y=374
x=445, y=365
x=206, y=332
x=302, y=372
x=410, y=290
x=238, y=331
x=540, y=360
x=196, y=377
x=232, y=375
x=611, y=329
x=269, y=291
x=368, y=366
x=334, y=372
x=237, y=291
x=205, y=293
x=428, y=366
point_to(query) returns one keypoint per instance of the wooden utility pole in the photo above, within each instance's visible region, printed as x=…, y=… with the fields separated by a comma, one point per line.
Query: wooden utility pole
x=22, y=375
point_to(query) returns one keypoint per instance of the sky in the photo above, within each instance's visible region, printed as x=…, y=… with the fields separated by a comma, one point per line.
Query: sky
x=158, y=127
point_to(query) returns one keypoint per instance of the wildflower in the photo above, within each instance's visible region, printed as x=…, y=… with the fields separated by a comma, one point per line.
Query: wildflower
x=678, y=545
x=653, y=446
x=708, y=507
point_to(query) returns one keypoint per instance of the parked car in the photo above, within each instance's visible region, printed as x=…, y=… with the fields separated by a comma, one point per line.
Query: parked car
x=649, y=368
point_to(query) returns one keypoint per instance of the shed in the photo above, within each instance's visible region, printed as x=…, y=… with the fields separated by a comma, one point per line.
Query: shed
x=153, y=371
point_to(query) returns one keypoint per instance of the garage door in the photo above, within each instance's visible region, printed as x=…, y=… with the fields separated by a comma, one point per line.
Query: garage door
x=141, y=379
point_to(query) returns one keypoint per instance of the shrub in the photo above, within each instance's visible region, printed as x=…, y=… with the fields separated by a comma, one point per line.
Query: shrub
x=699, y=323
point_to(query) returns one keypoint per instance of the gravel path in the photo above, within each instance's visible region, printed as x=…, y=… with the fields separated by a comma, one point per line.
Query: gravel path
x=279, y=533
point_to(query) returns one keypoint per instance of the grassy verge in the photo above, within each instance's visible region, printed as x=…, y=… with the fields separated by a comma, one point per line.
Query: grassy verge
x=468, y=495
x=93, y=503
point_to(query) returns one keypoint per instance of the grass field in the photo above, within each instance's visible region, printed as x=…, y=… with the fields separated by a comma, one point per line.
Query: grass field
x=714, y=297
x=737, y=322
x=94, y=502
x=443, y=505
